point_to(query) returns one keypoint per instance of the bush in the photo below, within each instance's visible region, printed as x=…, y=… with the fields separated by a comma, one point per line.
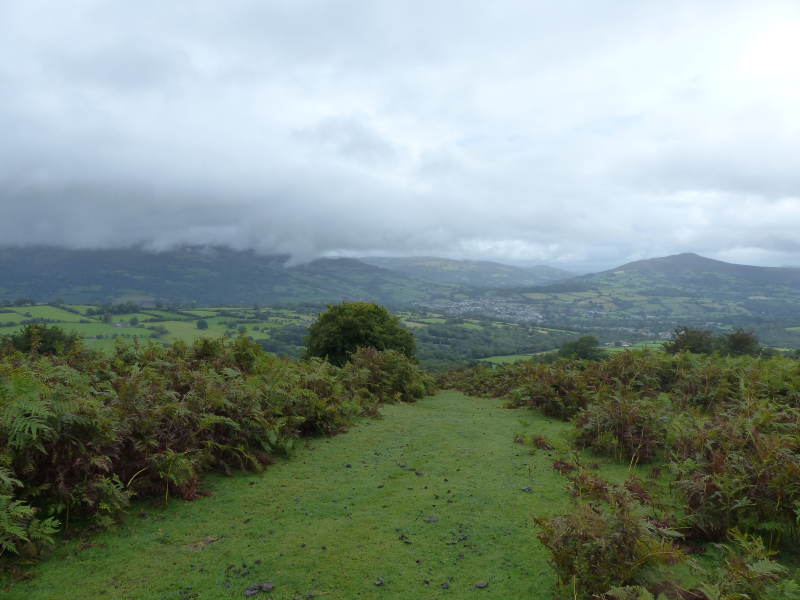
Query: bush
x=202, y=324
x=593, y=550
x=624, y=425
x=45, y=340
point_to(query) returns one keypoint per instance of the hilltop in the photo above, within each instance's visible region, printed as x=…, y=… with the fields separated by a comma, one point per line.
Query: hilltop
x=692, y=270
x=476, y=273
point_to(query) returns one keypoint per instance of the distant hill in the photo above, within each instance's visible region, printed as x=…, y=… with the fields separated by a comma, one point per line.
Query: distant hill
x=692, y=269
x=204, y=275
x=679, y=289
x=474, y=273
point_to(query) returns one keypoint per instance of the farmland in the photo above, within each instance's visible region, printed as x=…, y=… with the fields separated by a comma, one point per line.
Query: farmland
x=179, y=326
x=441, y=340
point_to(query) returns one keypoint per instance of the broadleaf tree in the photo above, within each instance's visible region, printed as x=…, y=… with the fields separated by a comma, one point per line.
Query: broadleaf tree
x=345, y=327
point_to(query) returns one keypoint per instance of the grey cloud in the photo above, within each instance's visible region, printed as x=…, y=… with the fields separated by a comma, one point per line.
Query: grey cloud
x=353, y=138
x=580, y=134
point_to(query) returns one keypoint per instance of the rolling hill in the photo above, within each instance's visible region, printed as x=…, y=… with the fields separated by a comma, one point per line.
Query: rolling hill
x=692, y=270
x=203, y=275
x=685, y=289
x=474, y=273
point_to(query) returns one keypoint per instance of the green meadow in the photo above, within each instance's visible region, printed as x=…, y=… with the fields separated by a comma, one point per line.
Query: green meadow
x=102, y=336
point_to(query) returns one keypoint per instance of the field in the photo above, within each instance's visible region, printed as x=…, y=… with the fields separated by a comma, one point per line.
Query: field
x=637, y=346
x=276, y=329
x=501, y=360
x=346, y=512
x=180, y=327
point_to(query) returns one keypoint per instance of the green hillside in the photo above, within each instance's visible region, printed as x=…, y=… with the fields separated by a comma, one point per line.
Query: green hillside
x=657, y=294
x=203, y=275
x=476, y=273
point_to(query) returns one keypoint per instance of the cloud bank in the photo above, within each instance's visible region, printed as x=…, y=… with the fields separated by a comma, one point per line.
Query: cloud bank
x=578, y=134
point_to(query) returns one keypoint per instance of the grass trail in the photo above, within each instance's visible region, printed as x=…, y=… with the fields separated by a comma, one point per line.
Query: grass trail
x=313, y=525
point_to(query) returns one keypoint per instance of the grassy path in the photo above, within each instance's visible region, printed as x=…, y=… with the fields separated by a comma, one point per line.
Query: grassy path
x=314, y=525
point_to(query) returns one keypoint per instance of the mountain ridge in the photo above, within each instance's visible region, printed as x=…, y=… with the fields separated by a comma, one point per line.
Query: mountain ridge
x=202, y=274
x=689, y=261
x=473, y=273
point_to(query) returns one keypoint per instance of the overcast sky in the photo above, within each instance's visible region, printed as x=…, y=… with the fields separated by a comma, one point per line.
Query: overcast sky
x=579, y=134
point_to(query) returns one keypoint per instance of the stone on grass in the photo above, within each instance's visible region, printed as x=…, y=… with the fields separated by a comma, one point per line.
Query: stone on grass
x=481, y=584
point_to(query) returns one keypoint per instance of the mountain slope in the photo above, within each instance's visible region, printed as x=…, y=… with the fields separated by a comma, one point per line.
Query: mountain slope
x=476, y=273
x=693, y=266
x=679, y=289
x=204, y=275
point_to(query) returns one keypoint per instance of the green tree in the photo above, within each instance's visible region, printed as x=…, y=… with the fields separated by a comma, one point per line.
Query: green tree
x=739, y=343
x=134, y=321
x=345, y=327
x=696, y=341
x=202, y=324
x=584, y=347
x=108, y=317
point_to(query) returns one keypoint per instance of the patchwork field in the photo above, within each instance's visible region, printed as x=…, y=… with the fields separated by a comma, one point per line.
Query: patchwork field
x=179, y=326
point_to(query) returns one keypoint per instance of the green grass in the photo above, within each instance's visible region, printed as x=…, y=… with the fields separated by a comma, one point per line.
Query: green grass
x=463, y=447
x=650, y=345
x=179, y=329
x=511, y=358
x=43, y=312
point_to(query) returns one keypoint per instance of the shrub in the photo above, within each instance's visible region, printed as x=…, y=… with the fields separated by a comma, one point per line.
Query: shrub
x=624, y=425
x=593, y=549
x=43, y=340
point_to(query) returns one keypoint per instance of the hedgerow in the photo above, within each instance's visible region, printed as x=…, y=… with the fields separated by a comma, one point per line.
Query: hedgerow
x=82, y=432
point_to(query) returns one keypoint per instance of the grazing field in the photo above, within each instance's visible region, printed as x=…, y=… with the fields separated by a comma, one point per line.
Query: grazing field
x=344, y=513
x=179, y=326
x=636, y=346
x=501, y=360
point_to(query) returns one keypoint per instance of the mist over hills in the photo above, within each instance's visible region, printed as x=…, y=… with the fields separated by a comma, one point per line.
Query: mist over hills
x=681, y=285
x=203, y=275
x=476, y=273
